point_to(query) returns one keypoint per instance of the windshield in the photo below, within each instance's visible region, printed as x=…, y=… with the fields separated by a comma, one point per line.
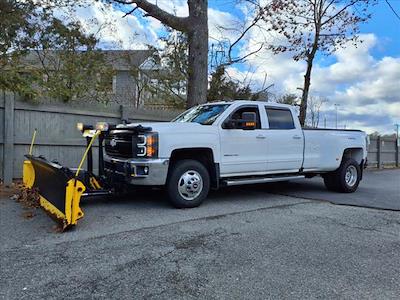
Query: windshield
x=204, y=114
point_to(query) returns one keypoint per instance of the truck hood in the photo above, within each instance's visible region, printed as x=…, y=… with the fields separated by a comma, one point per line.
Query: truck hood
x=174, y=127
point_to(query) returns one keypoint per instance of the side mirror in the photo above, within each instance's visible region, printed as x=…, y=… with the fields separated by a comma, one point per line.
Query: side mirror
x=229, y=124
x=249, y=120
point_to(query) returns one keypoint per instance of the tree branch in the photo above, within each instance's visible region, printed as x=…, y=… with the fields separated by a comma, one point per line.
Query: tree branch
x=340, y=11
x=256, y=19
x=156, y=12
x=233, y=61
x=130, y=12
x=327, y=7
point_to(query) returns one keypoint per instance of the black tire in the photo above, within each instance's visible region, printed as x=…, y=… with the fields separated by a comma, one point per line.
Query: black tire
x=330, y=183
x=184, y=174
x=341, y=181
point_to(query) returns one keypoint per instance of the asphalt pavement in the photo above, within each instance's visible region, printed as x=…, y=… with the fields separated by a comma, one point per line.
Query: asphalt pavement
x=249, y=242
x=378, y=189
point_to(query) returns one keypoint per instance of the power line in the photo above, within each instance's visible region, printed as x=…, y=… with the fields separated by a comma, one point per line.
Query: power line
x=391, y=7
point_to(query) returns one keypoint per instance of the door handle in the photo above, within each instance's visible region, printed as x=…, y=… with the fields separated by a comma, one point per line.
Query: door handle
x=296, y=137
x=261, y=137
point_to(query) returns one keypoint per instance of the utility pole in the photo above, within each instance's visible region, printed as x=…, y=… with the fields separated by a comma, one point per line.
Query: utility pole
x=336, y=109
x=397, y=144
x=324, y=122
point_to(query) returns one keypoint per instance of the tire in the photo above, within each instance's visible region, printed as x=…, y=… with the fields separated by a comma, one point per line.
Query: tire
x=330, y=182
x=345, y=179
x=188, y=184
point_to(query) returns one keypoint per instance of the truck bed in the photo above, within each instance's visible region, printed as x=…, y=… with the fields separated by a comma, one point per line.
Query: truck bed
x=324, y=147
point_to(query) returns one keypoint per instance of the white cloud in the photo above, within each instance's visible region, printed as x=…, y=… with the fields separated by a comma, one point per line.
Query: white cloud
x=380, y=83
x=175, y=7
x=222, y=25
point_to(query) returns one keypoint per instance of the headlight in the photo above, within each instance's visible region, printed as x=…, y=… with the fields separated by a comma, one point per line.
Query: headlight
x=147, y=145
x=102, y=126
x=82, y=127
x=79, y=126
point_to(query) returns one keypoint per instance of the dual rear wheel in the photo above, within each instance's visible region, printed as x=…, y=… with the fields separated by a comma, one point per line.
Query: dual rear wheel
x=345, y=179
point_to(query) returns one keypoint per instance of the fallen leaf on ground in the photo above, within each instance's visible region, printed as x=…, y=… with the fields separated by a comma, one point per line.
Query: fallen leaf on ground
x=28, y=214
x=29, y=198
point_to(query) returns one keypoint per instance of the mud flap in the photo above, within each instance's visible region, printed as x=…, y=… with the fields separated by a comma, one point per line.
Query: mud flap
x=59, y=191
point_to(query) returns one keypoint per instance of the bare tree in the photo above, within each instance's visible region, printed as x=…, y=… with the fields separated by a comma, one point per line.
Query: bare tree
x=314, y=109
x=290, y=99
x=306, y=27
x=196, y=27
x=225, y=52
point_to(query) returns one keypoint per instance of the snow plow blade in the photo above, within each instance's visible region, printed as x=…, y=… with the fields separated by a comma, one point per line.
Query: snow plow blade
x=60, y=192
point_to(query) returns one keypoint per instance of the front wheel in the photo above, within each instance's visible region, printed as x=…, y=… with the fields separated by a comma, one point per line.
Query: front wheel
x=188, y=183
x=345, y=179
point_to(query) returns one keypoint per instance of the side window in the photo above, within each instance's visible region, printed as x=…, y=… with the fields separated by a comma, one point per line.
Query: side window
x=237, y=115
x=279, y=118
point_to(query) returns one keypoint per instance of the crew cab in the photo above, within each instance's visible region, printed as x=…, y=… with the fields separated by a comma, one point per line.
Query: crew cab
x=232, y=143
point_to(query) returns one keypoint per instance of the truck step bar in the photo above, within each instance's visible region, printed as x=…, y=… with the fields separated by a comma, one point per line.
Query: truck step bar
x=241, y=181
x=97, y=193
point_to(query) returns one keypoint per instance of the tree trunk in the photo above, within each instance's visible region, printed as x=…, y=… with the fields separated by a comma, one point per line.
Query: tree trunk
x=304, y=97
x=196, y=27
x=198, y=53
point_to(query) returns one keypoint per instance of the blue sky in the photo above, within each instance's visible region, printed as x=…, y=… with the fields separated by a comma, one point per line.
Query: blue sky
x=364, y=80
x=386, y=26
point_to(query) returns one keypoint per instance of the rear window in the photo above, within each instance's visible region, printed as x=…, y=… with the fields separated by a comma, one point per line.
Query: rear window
x=279, y=118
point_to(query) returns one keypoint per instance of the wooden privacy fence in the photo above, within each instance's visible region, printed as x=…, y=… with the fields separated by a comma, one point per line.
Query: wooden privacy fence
x=57, y=137
x=383, y=152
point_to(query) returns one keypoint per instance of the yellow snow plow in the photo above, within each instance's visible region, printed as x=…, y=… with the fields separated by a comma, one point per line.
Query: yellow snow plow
x=61, y=189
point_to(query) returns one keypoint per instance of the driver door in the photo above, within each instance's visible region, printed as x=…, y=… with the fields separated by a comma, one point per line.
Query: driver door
x=243, y=152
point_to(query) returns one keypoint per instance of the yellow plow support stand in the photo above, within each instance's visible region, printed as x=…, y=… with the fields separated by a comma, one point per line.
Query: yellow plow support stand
x=28, y=174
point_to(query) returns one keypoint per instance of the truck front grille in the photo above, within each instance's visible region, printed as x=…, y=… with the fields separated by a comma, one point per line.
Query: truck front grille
x=121, y=144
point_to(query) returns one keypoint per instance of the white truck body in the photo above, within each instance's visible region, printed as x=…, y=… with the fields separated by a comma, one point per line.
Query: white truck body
x=266, y=150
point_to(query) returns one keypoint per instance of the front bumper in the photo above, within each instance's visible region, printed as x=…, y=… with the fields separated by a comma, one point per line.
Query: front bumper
x=137, y=171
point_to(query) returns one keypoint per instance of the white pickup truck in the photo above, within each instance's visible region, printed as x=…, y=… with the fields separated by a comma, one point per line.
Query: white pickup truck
x=232, y=143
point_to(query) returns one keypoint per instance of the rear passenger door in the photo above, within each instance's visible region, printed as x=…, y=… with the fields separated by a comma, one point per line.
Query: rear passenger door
x=284, y=141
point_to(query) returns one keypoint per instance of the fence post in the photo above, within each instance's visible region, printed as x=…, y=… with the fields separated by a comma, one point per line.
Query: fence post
x=8, y=154
x=397, y=151
x=123, y=113
x=379, y=153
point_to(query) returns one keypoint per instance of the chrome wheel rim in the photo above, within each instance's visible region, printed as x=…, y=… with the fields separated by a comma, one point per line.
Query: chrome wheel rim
x=190, y=185
x=351, y=176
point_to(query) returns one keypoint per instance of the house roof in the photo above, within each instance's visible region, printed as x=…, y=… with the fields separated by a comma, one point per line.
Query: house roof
x=120, y=60
x=123, y=60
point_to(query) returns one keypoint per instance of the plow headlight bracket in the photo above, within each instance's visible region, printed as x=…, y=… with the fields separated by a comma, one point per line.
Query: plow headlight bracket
x=82, y=127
